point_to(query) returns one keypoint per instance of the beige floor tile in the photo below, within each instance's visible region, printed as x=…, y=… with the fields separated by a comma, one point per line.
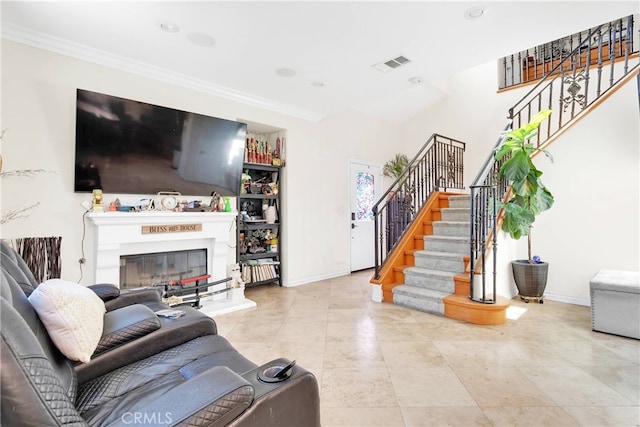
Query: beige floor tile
x=529, y=355
x=553, y=416
x=341, y=331
x=410, y=353
x=623, y=379
x=627, y=348
x=349, y=315
x=345, y=354
x=509, y=387
x=472, y=353
x=361, y=417
x=436, y=386
x=385, y=365
x=356, y=387
x=292, y=331
x=619, y=416
x=572, y=386
x=589, y=353
x=462, y=416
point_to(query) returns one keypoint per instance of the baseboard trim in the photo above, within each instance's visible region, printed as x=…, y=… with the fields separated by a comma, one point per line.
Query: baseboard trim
x=311, y=279
x=568, y=299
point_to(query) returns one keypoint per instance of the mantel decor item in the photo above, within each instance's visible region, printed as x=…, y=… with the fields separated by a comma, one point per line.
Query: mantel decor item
x=529, y=197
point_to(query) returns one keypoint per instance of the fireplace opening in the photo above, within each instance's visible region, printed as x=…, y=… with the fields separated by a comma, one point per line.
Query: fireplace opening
x=159, y=269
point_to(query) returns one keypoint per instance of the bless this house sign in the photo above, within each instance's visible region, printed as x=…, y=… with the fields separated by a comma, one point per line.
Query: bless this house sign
x=170, y=228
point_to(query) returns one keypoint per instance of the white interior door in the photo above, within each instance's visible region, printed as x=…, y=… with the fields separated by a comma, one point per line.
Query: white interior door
x=365, y=185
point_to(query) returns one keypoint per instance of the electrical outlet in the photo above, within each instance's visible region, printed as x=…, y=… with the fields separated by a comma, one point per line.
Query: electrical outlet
x=86, y=204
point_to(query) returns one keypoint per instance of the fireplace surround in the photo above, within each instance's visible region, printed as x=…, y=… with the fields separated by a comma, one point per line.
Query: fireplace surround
x=118, y=234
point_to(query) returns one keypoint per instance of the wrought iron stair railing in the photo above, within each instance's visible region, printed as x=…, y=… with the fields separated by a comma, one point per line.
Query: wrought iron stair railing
x=438, y=165
x=532, y=64
x=601, y=61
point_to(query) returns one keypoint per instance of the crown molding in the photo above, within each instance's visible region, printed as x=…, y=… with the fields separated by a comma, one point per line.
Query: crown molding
x=65, y=47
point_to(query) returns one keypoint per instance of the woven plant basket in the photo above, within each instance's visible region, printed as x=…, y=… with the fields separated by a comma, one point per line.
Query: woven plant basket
x=531, y=279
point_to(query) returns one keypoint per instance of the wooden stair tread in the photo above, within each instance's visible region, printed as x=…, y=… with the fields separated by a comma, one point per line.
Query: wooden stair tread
x=460, y=307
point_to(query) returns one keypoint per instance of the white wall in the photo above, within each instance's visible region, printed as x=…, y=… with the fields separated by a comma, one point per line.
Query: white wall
x=595, y=177
x=38, y=106
x=598, y=158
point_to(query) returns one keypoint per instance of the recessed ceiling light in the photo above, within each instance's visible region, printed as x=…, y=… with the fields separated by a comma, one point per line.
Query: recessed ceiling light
x=475, y=12
x=285, y=72
x=201, y=39
x=317, y=84
x=170, y=27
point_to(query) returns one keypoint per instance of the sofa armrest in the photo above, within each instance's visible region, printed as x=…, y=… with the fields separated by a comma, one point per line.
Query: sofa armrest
x=106, y=291
x=217, y=396
x=135, y=296
x=172, y=332
x=126, y=324
x=295, y=399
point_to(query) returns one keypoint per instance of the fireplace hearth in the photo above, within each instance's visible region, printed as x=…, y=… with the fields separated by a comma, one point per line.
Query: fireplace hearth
x=118, y=235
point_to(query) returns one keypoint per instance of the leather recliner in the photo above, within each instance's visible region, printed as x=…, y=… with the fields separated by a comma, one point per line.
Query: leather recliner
x=198, y=381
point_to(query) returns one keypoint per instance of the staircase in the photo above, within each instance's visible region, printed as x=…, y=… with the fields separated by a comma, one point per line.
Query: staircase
x=428, y=261
x=432, y=278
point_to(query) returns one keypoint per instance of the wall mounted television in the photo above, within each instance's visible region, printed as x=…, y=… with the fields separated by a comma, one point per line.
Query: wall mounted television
x=131, y=147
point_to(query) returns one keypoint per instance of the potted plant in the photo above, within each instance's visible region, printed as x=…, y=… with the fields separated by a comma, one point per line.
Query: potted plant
x=529, y=197
x=394, y=167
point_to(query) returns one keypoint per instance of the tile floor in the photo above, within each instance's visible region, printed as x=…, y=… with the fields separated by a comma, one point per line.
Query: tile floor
x=384, y=365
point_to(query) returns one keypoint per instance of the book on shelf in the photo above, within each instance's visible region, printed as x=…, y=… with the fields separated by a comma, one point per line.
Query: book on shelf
x=259, y=272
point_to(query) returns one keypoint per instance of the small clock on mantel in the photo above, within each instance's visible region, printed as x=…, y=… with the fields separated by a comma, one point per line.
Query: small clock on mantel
x=169, y=200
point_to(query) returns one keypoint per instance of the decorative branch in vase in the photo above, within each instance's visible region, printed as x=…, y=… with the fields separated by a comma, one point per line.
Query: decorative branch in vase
x=28, y=173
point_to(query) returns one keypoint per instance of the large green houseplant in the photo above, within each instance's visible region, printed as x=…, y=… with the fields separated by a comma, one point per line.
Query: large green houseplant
x=529, y=197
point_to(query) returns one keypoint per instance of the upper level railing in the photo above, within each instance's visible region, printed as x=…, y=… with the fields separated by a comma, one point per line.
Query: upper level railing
x=534, y=63
x=578, y=81
x=438, y=165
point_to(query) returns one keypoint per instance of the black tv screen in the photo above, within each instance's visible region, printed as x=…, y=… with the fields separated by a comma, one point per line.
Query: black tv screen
x=131, y=147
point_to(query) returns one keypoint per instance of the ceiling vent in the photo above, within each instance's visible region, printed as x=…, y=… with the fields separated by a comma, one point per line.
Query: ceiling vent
x=391, y=64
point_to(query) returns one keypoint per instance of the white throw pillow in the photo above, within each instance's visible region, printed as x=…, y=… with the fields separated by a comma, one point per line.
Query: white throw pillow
x=72, y=314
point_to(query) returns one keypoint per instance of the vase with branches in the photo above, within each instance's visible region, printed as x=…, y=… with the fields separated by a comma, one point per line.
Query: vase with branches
x=28, y=173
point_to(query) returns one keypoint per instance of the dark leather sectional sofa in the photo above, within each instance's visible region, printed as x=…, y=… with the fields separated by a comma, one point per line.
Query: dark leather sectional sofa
x=146, y=370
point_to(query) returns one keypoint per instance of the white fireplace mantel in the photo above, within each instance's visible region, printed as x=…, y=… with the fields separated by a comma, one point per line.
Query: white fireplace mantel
x=121, y=233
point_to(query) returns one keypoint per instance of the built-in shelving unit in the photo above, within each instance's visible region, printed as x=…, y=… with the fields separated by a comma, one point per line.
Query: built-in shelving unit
x=259, y=228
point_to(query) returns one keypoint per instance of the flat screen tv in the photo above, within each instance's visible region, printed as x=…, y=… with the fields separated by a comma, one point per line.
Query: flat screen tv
x=131, y=147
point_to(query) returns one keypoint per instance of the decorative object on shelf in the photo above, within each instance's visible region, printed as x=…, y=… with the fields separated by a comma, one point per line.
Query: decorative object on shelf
x=227, y=204
x=169, y=200
x=96, y=203
x=246, y=182
x=270, y=214
x=215, y=201
x=529, y=198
